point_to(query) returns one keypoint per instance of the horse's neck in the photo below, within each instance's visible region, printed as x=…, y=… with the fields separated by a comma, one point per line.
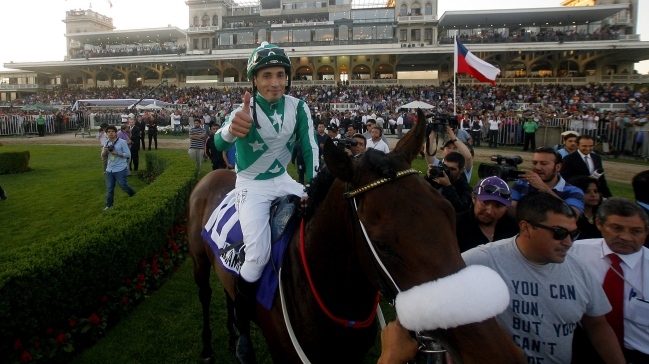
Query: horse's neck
x=332, y=258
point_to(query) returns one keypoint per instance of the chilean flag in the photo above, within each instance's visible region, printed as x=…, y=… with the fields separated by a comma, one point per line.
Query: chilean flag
x=466, y=62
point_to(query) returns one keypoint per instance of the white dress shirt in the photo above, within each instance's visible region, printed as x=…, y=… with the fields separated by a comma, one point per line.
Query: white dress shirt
x=636, y=272
x=589, y=162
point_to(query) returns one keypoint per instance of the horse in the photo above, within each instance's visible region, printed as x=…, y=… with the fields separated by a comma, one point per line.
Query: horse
x=410, y=228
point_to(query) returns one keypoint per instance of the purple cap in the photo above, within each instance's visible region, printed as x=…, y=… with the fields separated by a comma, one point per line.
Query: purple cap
x=501, y=188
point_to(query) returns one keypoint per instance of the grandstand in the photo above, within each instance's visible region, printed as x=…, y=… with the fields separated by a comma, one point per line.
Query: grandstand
x=389, y=42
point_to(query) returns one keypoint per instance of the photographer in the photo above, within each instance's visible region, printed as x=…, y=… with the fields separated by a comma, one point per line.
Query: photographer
x=452, y=145
x=356, y=151
x=117, y=152
x=544, y=177
x=449, y=180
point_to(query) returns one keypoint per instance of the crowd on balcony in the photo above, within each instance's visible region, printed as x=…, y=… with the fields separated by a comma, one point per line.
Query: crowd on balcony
x=248, y=24
x=129, y=51
x=544, y=36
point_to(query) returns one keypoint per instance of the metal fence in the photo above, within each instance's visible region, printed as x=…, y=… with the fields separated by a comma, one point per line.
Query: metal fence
x=26, y=125
x=610, y=137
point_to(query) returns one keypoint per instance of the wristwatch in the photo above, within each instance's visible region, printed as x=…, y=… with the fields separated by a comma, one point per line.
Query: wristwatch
x=454, y=140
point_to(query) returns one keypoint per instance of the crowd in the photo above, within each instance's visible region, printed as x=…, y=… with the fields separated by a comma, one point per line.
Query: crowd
x=542, y=36
x=129, y=51
x=249, y=24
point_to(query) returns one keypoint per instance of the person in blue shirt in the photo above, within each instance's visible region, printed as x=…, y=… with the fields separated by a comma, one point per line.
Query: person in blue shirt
x=117, y=152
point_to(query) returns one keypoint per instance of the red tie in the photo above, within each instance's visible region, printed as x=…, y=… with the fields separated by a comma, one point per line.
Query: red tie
x=614, y=288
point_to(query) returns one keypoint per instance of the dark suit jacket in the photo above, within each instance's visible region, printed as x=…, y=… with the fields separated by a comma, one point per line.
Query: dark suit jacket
x=574, y=165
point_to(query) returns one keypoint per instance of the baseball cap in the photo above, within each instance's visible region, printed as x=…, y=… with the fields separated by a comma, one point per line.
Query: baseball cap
x=493, y=189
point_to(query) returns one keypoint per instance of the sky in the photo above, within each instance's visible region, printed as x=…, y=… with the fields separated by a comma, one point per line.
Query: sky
x=34, y=31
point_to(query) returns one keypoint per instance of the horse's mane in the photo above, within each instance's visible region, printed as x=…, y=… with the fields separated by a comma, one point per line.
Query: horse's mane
x=373, y=161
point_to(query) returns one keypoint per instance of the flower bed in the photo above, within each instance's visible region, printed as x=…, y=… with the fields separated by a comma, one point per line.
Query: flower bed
x=45, y=285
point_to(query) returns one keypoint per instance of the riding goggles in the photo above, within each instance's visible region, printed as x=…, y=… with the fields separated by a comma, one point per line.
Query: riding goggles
x=492, y=189
x=559, y=233
x=265, y=52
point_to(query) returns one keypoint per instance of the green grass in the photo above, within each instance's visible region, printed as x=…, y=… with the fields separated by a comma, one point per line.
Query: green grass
x=65, y=189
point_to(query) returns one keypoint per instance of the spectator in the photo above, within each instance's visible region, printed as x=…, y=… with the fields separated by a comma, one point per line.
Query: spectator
x=623, y=225
x=103, y=138
x=529, y=127
x=462, y=135
x=212, y=153
x=196, y=144
x=321, y=138
x=400, y=123
x=136, y=135
x=550, y=289
x=545, y=177
x=592, y=200
x=141, y=127
x=452, y=185
x=375, y=142
x=486, y=220
x=569, y=143
x=40, y=125
x=640, y=183
x=123, y=134
x=230, y=157
x=176, y=122
x=369, y=125
x=494, y=125
x=117, y=152
x=153, y=131
x=585, y=163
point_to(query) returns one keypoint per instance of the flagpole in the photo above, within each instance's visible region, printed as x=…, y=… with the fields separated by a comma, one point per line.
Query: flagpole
x=455, y=74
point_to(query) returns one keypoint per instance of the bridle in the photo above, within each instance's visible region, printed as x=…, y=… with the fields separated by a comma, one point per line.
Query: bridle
x=350, y=196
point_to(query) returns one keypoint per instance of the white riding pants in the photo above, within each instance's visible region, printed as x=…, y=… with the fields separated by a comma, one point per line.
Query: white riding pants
x=253, y=204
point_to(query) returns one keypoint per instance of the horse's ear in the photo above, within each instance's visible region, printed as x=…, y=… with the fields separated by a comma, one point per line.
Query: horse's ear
x=338, y=162
x=410, y=145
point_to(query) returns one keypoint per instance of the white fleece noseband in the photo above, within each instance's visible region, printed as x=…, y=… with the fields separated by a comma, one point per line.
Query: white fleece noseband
x=474, y=294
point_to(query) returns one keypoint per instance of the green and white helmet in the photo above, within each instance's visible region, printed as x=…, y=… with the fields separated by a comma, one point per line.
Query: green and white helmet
x=267, y=55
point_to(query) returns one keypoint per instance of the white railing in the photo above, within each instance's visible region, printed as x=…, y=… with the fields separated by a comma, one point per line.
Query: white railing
x=18, y=87
x=411, y=18
x=203, y=29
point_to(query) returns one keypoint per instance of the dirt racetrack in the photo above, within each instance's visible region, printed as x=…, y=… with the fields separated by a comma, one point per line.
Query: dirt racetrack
x=615, y=171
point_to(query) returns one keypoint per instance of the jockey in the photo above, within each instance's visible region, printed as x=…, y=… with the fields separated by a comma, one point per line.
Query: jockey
x=264, y=132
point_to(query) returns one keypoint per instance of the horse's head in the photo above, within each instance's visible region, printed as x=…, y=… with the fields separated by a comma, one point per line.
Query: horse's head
x=410, y=224
x=410, y=238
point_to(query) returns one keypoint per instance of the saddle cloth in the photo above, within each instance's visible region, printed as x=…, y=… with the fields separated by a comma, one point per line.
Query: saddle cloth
x=223, y=229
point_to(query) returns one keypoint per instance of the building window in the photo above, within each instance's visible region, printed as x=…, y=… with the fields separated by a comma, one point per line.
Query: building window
x=415, y=35
x=206, y=43
x=428, y=34
x=403, y=10
x=197, y=22
x=428, y=9
x=215, y=20
x=403, y=35
x=196, y=43
x=206, y=20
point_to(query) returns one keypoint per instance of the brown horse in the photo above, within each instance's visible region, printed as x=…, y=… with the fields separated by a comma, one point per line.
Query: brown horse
x=412, y=229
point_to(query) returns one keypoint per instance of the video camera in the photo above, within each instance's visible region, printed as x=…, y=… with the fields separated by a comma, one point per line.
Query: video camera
x=345, y=143
x=508, y=171
x=439, y=122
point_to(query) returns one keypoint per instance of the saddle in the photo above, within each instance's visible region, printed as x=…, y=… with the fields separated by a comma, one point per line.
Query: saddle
x=223, y=234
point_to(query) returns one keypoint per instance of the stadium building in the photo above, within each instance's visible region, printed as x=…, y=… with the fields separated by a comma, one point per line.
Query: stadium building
x=366, y=42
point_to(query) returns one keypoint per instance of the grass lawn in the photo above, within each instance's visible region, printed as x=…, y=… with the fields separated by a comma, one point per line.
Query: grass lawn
x=67, y=188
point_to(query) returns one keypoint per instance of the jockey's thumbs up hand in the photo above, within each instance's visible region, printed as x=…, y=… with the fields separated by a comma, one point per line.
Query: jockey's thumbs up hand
x=241, y=121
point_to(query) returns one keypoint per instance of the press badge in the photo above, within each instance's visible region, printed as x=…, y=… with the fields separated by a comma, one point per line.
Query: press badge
x=638, y=311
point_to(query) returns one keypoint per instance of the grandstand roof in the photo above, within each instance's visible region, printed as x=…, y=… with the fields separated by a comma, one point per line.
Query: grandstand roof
x=528, y=17
x=129, y=36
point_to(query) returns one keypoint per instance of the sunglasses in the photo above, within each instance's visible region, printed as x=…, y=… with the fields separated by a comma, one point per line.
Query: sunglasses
x=267, y=52
x=559, y=233
x=492, y=189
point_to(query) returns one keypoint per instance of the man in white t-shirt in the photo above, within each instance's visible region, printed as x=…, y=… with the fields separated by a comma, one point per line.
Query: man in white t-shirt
x=494, y=125
x=400, y=126
x=176, y=122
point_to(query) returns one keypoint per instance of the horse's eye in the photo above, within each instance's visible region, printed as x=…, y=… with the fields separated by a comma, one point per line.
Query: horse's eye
x=382, y=247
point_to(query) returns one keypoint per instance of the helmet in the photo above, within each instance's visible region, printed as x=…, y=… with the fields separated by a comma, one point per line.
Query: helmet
x=267, y=55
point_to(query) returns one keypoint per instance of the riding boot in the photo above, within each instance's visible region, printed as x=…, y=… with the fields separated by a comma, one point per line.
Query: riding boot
x=244, y=304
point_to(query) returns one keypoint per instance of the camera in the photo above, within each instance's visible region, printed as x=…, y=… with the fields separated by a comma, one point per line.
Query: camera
x=110, y=147
x=508, y=171
x=345, y=143
x=438, y=171
x=439, y=122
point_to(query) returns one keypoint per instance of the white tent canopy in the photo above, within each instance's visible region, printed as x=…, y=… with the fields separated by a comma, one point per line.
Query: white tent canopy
x=118, y=102
x=416, y=105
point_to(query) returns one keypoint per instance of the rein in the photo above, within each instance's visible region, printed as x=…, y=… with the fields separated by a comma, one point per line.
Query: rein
x=346, y=323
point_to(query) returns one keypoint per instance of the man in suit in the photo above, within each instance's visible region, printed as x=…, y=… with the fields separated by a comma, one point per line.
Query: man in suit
x=585, y=163
x=619, y=256
x=640, y=183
